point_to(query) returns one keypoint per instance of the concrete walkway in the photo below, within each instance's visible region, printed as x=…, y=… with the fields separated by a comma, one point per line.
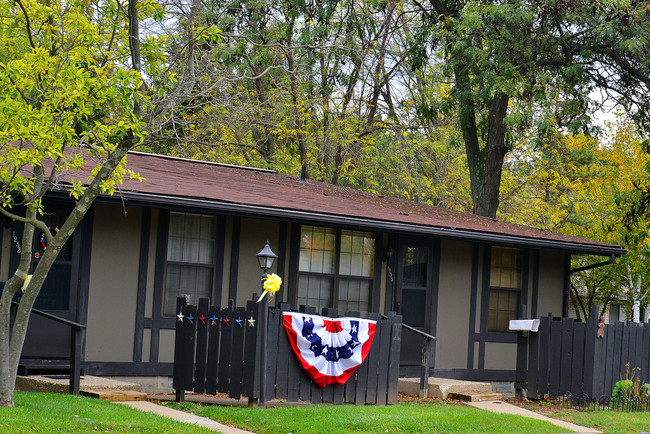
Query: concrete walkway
x=182, y=416
x=503, y=407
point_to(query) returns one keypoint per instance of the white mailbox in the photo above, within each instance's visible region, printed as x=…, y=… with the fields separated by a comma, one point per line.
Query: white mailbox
x=524, y=325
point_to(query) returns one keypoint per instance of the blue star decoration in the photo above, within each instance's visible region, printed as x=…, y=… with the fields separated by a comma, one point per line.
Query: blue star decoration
x=239, y=321
x=213, y=319
x=190, y=318
x=251, y=322
x=180, y=316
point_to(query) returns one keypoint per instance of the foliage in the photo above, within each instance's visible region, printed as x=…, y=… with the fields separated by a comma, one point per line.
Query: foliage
x=629, y=387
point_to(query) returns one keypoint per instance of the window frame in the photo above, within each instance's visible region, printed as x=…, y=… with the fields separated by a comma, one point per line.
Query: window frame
x=507, y=336
x=336, y=276
x=165, y=262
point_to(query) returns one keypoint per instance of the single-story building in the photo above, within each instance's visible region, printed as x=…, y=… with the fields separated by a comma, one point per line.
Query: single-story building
x=193, y=228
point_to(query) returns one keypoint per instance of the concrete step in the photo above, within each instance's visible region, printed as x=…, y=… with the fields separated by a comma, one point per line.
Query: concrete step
x=474, y=396
x=60, y=383
x=442, y=387
x=115, y=395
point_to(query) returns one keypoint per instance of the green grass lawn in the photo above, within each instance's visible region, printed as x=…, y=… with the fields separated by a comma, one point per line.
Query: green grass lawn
x=610, y=422
x=56, y=413
x=406, y=417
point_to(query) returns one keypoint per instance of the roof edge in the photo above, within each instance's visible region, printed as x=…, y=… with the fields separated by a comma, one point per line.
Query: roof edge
x=299, y=216
x=212, y=163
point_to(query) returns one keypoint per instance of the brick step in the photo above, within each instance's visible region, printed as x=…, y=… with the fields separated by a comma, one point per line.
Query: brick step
x=475, y=396
x=115, y=395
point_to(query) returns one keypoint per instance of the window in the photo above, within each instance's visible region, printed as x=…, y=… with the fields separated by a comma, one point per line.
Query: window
x=189, y=265
x=505, y=287
x=336, y=268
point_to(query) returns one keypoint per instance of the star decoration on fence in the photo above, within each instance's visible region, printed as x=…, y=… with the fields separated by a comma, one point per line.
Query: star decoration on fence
x=180, y=316
x=226, y=321
x=213, y=319
x=202, y=318
x=251, y=321
x=239, y=321
x=190, y=318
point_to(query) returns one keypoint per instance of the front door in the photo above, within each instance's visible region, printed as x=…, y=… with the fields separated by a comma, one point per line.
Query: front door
x=46, y=338
x=414, y=296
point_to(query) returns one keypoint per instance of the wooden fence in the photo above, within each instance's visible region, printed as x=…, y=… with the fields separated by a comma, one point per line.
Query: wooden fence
x=567, y=356
x=216, y=350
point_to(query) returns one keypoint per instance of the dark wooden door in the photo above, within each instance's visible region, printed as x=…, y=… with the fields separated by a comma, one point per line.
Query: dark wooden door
x=413, y=296
x=47, y=339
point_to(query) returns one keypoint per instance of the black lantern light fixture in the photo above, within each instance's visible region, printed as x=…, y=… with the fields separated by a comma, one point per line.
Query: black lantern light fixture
x=266, y=257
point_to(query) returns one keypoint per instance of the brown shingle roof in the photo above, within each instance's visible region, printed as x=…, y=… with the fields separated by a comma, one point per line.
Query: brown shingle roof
x=269, y=191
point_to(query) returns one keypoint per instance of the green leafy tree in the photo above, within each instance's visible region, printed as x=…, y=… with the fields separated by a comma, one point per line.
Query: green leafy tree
x=80, y=87
x=522, y=66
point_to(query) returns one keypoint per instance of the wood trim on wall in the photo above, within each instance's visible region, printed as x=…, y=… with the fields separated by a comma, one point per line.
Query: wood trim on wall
x=535, y=293
x=128, y=368
x=84, y=273
x=471, y=337
x=145, y=235
x=376, y=284
x=159, y=277
x=234, y=259
x=220, y=255
x=282, y=259
x=292, y=287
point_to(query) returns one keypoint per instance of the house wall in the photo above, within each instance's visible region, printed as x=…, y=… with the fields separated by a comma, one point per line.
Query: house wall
x=5, y=247
x=253, y=237
x=112, y=294
x=454, y=293
x=551, y=283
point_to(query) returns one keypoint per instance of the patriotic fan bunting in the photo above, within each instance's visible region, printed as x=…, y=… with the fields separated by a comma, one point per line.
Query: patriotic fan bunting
x=329, y=349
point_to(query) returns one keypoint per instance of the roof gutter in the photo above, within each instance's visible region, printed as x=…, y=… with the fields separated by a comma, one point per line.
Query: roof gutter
x=138, y=198
x=611, y=260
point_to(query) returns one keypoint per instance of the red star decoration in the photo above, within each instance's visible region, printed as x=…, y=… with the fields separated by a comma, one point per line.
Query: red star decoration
x=226, y=320
x=202, y=318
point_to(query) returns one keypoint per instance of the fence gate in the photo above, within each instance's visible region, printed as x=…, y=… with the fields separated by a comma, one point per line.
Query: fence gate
x=216, y=351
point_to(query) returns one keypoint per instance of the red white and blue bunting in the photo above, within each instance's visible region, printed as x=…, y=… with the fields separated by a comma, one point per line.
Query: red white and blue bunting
x=329, y=349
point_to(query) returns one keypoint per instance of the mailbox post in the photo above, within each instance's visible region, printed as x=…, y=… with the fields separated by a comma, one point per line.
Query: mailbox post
x=524, y=327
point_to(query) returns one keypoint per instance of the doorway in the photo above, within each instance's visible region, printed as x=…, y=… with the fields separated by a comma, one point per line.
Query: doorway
x=416, y=295
x=59, y=295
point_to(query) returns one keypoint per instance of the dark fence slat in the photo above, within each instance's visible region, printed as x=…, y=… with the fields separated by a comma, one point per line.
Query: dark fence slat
x=366, y=384
x=213, y=350
x=577, y=361
x=250, y=350
x=638, y=348
x=189, y=330
x=543, y=357
x=567, y=355
x=533, y=365
x=393, y=366
x=237, y=358
x=293, y=371
x=555, y=351
x=201, y=345
x=610, y=340
x=274, y=329
x=592, y=361
x=180, y=345
x=382, y=372
x=284, y=352
x=223, y=380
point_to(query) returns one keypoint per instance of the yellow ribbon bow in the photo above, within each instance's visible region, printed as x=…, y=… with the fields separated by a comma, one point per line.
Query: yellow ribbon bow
x=271, y=285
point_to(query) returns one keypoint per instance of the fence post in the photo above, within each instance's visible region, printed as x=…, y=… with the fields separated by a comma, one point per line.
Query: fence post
x=426, y=363
x=75, y=360
x=522, y=354
x=264, y=320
